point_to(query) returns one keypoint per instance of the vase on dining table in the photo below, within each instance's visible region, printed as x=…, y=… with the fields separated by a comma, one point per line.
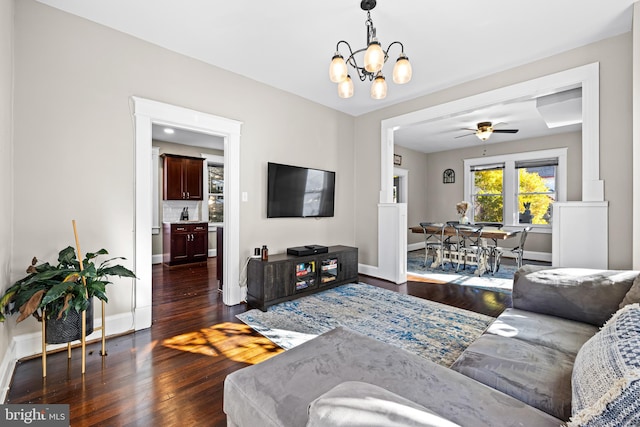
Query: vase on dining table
x=464, y=219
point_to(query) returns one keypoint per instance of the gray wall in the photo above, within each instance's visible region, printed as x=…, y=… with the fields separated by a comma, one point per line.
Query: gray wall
x=614, y=56
x=6, y=169
x=416, y=163
x=74, y=141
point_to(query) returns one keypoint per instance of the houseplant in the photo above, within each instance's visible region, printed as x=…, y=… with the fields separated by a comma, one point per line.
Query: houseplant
x=61, y=292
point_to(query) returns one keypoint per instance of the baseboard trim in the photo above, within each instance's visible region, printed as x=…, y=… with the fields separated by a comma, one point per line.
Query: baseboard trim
x=415, y=246
x=368, y=270
x=6, y=371
x=27, y=345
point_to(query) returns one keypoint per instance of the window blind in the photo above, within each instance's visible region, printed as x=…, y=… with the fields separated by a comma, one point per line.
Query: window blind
x=536, y=163
x=488, y=167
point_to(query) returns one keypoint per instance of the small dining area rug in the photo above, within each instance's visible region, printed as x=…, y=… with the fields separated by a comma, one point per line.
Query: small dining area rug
x=429, y=329
x=501, y=281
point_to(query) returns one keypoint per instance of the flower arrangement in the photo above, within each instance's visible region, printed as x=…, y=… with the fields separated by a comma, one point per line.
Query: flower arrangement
x=462, y=208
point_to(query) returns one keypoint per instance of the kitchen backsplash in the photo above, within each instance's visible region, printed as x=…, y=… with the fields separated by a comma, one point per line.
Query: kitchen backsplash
x=172, y=209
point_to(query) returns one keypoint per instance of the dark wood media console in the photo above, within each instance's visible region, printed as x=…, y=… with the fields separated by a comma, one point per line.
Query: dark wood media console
x=285, y=277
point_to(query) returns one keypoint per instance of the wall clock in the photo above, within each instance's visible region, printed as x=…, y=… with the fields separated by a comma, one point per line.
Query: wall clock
x=448, y=176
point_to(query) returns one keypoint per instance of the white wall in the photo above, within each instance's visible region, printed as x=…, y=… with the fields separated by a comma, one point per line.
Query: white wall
x=6, y=175
x=74, y=141
x=614, y=56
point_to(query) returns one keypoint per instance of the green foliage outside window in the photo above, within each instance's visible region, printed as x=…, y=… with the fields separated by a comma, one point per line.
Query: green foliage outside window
x=489, y=199
x=533, y=189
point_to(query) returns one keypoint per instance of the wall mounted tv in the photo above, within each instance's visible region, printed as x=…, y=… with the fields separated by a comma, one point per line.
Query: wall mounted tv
x=295, y=191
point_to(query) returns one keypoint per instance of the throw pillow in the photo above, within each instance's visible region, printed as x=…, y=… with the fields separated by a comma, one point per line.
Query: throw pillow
x=633, y=296
x=359, y=404
x=606, y=374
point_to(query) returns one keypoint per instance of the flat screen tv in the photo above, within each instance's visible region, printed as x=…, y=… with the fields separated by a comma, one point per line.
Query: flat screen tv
x=295, y=191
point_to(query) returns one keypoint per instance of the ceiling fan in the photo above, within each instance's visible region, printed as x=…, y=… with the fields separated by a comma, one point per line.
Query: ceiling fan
x=485, y=129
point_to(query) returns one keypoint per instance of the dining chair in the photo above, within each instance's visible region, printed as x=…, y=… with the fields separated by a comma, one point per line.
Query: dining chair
x=494, y=252
x=469, y=242
x=518, y=251
x=433, y=241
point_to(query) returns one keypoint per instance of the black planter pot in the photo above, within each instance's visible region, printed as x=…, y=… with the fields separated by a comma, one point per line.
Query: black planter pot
x=70, y=328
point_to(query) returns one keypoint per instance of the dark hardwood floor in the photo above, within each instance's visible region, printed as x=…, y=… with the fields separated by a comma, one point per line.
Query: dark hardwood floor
x=172, y=374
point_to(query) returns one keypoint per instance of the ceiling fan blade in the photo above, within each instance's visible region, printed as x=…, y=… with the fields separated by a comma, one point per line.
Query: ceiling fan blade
x=462, y=136
x=505, y=130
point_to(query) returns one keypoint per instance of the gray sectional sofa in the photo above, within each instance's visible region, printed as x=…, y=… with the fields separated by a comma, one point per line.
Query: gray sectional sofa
x=539, y=363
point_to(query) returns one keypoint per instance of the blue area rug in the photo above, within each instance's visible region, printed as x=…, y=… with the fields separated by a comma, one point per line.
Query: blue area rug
x=501, y=281
x=435, y=331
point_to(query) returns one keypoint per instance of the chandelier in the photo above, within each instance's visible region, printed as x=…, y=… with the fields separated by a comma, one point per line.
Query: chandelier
x=374, y=60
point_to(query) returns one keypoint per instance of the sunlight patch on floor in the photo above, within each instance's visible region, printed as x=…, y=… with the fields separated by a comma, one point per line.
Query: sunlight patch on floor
x=235, y=341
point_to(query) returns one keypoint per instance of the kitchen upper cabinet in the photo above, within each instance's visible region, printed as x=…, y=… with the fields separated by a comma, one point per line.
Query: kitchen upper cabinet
x=182, y=177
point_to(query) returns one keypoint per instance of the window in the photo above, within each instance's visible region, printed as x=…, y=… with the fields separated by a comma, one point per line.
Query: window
x=536, y=190
x=516, y=189
x=487, y=196
x=216, y=193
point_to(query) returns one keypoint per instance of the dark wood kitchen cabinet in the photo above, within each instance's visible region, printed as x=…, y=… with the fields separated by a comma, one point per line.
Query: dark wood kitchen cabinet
x=182, y=177
x=185, y=243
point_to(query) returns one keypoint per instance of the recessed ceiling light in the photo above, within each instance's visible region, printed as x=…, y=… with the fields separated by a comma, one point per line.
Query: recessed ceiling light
x=169, y=131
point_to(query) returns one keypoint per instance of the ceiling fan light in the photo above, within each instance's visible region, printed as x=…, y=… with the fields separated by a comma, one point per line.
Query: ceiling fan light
x=379, y=87
x=345, y=88
x=374, y=57
x=484, y=134
x=338, y=68
x=402, y=70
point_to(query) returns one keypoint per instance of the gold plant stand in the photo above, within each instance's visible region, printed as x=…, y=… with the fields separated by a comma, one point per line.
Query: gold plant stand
x=83, y=337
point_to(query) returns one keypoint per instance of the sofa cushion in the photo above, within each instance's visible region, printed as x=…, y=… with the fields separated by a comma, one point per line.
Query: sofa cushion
x=606, y=375
x=277, y=392
x=536, y=375
x=585, y=295
x=633, y=296
x=354, y=403
x=563, y=335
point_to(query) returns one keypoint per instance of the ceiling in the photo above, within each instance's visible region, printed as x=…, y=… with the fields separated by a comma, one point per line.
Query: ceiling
x=288, y=44
x=186, y=137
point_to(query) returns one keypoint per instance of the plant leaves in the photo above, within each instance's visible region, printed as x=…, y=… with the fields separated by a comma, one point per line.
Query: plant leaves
x=116, y=270
x=6, y=298
x=30, y=306
x=92, y=255
x=67, y=256
x=57, y=291
x=73, y=277
x=65, y=306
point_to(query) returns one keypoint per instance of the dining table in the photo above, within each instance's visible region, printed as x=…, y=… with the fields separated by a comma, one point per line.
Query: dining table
x=484, y=264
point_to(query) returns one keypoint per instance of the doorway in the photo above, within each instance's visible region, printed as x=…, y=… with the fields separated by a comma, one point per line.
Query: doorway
x=147, y=113
x=586, y=77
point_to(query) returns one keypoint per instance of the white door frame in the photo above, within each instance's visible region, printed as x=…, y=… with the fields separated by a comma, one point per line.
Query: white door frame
x=147, y=113
x=403, y=179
